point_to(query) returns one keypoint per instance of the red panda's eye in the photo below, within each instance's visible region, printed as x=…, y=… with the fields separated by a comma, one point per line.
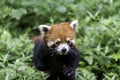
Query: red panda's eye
x=68, y=41
x=58, y=42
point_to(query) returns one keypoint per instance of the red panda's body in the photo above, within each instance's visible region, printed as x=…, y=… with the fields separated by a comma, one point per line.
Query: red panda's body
x=56, y=52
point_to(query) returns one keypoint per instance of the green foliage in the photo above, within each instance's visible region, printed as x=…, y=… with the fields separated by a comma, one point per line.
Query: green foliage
x=16, y=58
x=98, y=37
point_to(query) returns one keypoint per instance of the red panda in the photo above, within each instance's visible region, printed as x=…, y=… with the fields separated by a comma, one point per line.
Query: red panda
x=56, y=52
x=60, y=36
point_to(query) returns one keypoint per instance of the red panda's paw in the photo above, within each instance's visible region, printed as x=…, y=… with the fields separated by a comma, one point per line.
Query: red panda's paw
x=68, y=71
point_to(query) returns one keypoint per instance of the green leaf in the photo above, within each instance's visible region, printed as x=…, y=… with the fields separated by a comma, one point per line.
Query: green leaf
x=61, y=9
x=116, y=56
x=89, y=59
x=18, y=13
x=5, y=35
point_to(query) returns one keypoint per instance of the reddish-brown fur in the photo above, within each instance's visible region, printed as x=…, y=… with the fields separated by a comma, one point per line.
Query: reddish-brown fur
x=62, y=31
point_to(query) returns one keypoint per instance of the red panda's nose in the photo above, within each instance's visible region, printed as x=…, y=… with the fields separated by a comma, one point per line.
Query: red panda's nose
x=64, y=50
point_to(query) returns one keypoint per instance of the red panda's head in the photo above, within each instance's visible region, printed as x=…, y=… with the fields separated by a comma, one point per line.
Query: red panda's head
x=60, y=36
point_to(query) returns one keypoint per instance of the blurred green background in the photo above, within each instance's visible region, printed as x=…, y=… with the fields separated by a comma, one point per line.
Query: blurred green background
x=98, y=36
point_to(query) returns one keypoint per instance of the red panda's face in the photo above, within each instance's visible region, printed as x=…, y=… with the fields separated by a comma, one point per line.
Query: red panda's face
x=60, y=36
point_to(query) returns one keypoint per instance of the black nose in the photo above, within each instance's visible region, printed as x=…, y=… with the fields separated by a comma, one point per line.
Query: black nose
x=64, y=50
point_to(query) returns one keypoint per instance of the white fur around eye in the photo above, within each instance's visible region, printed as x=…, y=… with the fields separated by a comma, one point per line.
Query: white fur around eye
x=73, y=41
x=57, y=40
x=50, y=43
x=68, y=39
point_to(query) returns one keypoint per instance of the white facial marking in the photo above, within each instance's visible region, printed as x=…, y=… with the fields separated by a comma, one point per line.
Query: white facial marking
x=61, y=46
x=58, y=40
x=73, y=41
x=50, y=43
x=68, y=39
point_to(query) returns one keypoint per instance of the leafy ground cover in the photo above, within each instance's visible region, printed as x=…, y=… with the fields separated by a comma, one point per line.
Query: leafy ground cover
x=98, y=37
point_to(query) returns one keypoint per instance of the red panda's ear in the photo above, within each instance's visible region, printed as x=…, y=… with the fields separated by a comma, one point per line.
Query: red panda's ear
x=74, y=24
x=44, y=28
